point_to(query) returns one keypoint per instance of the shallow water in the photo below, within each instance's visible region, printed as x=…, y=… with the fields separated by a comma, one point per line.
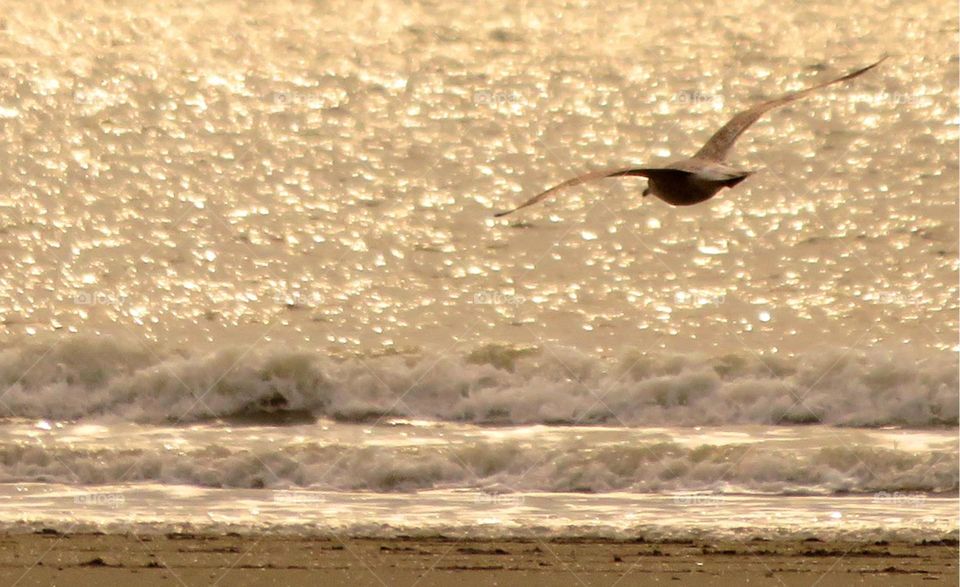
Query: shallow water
x=467, y=514
x=428, y=478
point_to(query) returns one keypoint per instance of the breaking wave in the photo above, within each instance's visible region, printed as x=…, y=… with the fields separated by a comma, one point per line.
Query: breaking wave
x=94, y=378
x=572, y=465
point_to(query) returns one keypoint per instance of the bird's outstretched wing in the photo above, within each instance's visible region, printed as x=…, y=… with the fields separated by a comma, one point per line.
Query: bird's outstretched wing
x=719, y=144
x=590, y=176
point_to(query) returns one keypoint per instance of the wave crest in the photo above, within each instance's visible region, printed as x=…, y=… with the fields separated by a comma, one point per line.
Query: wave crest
x=101, y=378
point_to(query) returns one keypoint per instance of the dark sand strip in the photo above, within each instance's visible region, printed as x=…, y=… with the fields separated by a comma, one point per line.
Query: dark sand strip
x=173, y=560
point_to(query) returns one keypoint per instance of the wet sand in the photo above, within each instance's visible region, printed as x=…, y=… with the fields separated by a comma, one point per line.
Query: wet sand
x=50, y=558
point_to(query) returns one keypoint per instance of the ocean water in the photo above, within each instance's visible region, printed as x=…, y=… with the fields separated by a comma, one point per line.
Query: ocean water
x=251, y=277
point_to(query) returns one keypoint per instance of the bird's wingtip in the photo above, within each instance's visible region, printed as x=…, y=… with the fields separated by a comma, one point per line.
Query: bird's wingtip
x=883, y=58
x=502, y=214
x=864, y=69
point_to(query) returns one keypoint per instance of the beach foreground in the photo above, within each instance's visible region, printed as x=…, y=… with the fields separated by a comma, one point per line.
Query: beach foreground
x=51, y=558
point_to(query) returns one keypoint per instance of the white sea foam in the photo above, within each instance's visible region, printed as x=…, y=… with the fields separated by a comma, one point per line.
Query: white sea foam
x=403, y=457
x=463, y=514
x=90, y=378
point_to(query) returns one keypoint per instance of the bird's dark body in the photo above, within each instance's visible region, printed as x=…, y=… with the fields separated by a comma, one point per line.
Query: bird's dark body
x=686, y=183
x=682, y=190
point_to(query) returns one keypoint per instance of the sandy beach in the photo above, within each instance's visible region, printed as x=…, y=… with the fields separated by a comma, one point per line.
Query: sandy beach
x=51, y=558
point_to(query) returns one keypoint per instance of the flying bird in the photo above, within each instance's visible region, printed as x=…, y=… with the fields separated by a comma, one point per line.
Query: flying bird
x=698, y=178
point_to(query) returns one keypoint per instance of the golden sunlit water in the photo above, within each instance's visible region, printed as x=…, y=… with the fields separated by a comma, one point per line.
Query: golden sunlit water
x=324, y=174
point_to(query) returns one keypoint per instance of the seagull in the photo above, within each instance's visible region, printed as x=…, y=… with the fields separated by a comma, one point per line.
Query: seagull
x=698, y=178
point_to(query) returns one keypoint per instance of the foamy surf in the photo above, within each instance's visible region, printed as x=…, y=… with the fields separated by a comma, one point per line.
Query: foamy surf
x=419, y=478
x=101, y=379
x=330, y=456
x=475, y=515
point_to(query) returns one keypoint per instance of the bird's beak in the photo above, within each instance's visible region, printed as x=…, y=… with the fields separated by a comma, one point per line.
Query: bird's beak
x=646, y=192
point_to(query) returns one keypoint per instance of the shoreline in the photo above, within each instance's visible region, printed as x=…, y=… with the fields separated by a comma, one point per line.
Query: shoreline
x=49, y=557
